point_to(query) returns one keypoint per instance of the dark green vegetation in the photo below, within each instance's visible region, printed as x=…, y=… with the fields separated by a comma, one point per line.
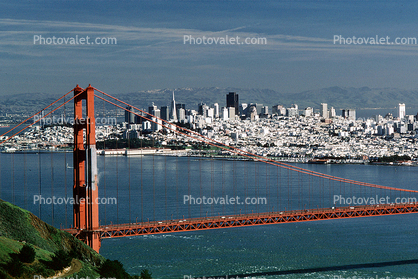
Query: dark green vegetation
x=29, y=247
x=394, y=158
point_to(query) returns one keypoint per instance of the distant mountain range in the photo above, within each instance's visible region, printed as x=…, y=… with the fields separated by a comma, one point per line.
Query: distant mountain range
x=338, y=97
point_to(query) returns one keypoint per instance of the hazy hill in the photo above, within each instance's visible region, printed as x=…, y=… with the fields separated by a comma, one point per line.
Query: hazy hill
x=339, y=97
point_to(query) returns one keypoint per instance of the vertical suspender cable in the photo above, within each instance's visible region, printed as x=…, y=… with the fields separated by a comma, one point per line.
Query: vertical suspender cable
x=212, y=185
x=223, y=185
x=142, y=188
x=329, y=189
x=0, y=177
x=13, y=176
x=104, y=169
x=177, y=189
x=165, y=187
x=188, y=185
x=40, y=181
x=65, y=186
x=234, y=173
x=277, y=189
x=104, y=182
x=246, y=165
x=267, y=185
x=129, y=178
x=153, y=186
x=24, y=181
x=299, y=191
x=117, y=188
x=52, y=186
x=288, y=189
x=255, y=181
x=200, y=185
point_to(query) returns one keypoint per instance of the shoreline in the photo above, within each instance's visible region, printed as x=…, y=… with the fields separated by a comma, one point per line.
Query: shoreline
x=198, y=154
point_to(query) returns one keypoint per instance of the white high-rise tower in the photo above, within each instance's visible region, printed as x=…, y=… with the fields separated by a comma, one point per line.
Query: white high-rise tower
x=401, y=111
x=173, y=114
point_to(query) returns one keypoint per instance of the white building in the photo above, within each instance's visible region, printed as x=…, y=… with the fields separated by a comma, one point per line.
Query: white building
x=401, y=111
x=324, y=110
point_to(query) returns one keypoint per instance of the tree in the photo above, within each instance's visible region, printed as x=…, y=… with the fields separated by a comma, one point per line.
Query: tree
x=113, y=269
x=59, y=260
x=27, y=254
x=145, y=274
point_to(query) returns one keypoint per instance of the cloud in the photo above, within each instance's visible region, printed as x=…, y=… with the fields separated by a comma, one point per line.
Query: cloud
x=167, y=43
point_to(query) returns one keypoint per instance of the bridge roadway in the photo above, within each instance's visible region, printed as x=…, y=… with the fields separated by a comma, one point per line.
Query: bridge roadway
x=253, y=219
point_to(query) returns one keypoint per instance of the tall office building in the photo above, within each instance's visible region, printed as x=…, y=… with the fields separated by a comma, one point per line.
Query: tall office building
x=173, y=114
x=156, y=112
x=231, y=113
x=332, y=112
x=243, y=109
x=181, y=114
x=232, y=101
x=152, y=108
x=139, y=119
x=200, y=108
x=165, y=113
x=401, y=111
x=225, y=115
x=349, y=114
x=324, y=110
x=129, y=116
x=178, y=107
x=216, y=107
x=308, y=112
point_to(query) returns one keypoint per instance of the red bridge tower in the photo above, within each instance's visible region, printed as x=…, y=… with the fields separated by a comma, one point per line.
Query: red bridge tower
x=85, y=190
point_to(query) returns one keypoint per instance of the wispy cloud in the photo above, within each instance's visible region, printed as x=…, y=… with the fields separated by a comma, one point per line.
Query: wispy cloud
x=168, y=42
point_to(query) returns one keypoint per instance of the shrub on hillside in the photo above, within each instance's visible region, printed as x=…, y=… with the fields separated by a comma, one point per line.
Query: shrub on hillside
x=27, y=254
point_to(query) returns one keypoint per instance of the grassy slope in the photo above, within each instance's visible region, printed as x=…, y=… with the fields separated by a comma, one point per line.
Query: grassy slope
x=18, y=225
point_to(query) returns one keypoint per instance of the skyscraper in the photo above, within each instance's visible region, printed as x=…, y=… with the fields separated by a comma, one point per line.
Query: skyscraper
x=216, y=107
x=348, y=114
x=173, y=114
x=401, y=111
x=165, y=113
x=232, y=101
x=129, y=116
x=324, y=110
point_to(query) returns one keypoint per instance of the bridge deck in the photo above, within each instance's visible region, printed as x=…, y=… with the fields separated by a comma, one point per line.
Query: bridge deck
x=230, y=221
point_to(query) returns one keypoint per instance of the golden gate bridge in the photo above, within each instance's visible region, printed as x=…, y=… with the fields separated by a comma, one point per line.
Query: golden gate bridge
x=86, y=223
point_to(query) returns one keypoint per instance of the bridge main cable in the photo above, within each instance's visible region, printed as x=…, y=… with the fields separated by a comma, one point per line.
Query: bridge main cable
x=39, y=118
x=36, y=114
x=246, y=153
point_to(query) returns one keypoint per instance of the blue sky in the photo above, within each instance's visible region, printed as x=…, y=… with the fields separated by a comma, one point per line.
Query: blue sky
x=150, y=53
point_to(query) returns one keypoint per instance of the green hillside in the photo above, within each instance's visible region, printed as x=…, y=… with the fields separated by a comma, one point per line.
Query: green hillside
x=57, y=254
